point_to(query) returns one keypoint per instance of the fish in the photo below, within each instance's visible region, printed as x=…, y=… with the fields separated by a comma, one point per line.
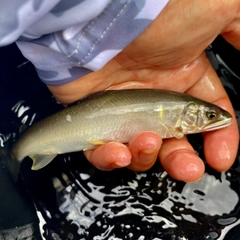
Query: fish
x=117, y=115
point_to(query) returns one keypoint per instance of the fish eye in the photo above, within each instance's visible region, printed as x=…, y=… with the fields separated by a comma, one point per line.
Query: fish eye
x=211, y=115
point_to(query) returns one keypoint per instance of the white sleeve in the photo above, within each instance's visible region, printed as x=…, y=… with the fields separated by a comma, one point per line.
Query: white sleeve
x=72, y=38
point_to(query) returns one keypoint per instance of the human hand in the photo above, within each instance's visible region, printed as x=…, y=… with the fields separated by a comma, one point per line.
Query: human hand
x=169, y=54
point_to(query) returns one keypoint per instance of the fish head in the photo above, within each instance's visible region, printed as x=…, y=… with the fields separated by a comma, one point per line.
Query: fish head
x=215, y=118
x=204, y=116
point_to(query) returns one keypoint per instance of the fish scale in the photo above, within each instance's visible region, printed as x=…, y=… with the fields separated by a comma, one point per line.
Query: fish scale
x=117, y=115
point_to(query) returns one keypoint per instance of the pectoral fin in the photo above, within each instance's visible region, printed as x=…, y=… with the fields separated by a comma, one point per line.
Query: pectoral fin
x=40, y=161
x=174, y=132
x=177, y=134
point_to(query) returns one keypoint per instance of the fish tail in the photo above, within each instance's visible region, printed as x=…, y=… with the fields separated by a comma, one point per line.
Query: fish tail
x=9, y=163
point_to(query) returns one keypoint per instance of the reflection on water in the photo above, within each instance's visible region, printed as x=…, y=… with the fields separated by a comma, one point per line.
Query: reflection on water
x=76, y=201
x=208, y=194
x=149, y=205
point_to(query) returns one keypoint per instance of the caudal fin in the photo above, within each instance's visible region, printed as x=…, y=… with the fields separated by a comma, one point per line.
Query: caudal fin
x=11, y=165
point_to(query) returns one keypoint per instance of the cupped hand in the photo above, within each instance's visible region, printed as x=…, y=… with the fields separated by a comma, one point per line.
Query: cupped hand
x=169, y=54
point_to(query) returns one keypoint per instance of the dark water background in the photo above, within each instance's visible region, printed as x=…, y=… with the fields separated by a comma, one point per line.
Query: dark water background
x=74, y=200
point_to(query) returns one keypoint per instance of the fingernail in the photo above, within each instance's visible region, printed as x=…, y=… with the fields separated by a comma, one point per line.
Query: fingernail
x=121, y=163
x=123, y=160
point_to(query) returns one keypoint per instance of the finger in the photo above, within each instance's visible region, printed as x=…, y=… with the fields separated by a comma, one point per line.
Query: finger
x=109, y=156
x=144, y=149
x=220, y=146
x=179, y=159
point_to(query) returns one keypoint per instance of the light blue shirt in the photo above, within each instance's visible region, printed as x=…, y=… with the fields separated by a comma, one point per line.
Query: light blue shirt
x=67, y=39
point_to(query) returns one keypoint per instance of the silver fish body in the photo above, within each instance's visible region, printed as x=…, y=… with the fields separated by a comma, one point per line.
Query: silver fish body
x=117, y=116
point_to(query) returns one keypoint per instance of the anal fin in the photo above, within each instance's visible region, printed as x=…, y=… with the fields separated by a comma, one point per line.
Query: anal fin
x=41, y=160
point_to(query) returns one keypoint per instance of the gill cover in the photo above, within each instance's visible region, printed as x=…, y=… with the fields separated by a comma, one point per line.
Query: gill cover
x=190, y=119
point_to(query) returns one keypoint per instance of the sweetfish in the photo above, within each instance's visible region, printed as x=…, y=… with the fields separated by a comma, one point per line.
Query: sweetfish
x=117, y=115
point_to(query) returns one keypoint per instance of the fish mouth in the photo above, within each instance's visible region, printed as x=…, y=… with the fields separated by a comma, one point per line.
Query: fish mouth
x=224, y=120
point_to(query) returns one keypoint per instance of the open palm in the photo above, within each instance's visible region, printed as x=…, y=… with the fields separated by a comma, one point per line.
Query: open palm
x=169, y=54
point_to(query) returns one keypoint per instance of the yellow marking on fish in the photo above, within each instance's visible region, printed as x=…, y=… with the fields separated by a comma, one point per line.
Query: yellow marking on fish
x=161, y=111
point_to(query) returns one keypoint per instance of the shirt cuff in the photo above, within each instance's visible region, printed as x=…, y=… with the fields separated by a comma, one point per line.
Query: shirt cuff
x=66, y=55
